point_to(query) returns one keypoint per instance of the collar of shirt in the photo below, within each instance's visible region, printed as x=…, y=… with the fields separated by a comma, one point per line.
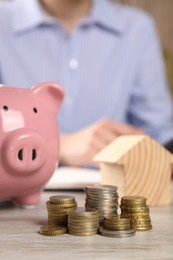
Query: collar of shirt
x=30, y=14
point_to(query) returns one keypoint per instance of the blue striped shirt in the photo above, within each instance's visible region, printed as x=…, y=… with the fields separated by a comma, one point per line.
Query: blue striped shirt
x=110, y=66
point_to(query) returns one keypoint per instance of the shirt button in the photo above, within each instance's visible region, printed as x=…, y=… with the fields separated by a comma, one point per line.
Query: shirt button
x=68, y=100
x=73, y=64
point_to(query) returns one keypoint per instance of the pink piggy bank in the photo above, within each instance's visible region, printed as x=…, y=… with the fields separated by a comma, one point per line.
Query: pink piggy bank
x=29, y=140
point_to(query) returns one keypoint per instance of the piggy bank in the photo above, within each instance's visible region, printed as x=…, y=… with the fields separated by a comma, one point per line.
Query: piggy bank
x=29, y=140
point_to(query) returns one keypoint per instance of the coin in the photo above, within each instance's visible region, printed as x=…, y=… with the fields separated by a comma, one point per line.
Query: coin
x=101, y=194
x=102, y=197
x=134, y=210
x=141, y=225
x=82, y=211
x=48, y=230
x=83, y=223
x=56, y=206
x=82, y=234
x=83, y=226
x=134, y=199
x=83, y=229
x=116, y=224
x=100, y=187
x=143, y=228
x=62, y=199
x=117, y=234
x=57, y=211
x=117, y=227
x=108, y=195
x=136, y=215
x=117, y=219
x=134, y=221
x=102, y=201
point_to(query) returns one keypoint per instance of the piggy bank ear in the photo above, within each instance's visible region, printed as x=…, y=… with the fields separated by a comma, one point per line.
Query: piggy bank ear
x=50, y=94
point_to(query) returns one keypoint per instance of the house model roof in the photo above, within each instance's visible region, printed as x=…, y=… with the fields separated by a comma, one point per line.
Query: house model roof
x=137, y=164
x=118, y=148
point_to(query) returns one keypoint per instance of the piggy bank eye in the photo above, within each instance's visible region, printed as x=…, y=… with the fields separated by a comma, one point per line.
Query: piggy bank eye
x=5, y=108
x=35, y=110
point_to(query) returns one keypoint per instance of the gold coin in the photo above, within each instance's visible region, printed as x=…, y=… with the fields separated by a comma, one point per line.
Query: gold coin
x=117, y=227
x=137, y=210
x=83, y=219
x=136, y=215
x=82, y=227
x=71, y=222
x=62, y=199
x=116, y=224
x=57, y=223
x=138, y=218
x=48, y=230
x=83, y=230
x=117, y=219
x=85, y=212
x=134, y=199
x=82, y=234
x=141, y=224
x=60, y=206
x=57, y=213
x=143, y=229
x=64, y=206
x=133, y=205
x=57, y=220
x=108, y=224
x=79, y=223
x=61, y=211
x=134, y=221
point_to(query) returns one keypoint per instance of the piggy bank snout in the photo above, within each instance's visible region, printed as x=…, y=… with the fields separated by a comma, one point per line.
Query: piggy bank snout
x=24, y=153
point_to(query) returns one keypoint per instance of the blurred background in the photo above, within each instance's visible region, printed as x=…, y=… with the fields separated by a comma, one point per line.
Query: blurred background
x=162, y=11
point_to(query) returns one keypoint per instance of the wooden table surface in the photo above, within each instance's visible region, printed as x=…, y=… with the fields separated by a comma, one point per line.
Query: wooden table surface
x=19, y=237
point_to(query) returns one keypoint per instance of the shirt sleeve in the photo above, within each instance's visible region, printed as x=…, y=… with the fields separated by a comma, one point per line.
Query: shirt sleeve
x=151, y=104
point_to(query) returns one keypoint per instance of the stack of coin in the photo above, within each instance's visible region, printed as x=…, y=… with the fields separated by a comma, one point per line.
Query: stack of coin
x=83, y=222
x=136, y=208
x=48, y=230
x=116, y=222
x=116, y=226
x=102, y=197
x=58, y=207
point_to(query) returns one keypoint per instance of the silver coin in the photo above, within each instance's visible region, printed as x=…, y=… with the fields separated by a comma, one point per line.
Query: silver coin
x=118, y=232
x=101, y=186
x=118, y=236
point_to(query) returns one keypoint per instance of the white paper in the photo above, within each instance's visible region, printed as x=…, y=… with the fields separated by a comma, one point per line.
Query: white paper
x=73, y=178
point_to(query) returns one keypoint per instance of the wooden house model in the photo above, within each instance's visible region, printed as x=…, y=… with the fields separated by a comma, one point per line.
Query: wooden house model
x=138, y=166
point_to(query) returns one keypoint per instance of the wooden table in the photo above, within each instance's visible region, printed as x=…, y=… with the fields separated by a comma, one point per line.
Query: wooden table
x=19, y=237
